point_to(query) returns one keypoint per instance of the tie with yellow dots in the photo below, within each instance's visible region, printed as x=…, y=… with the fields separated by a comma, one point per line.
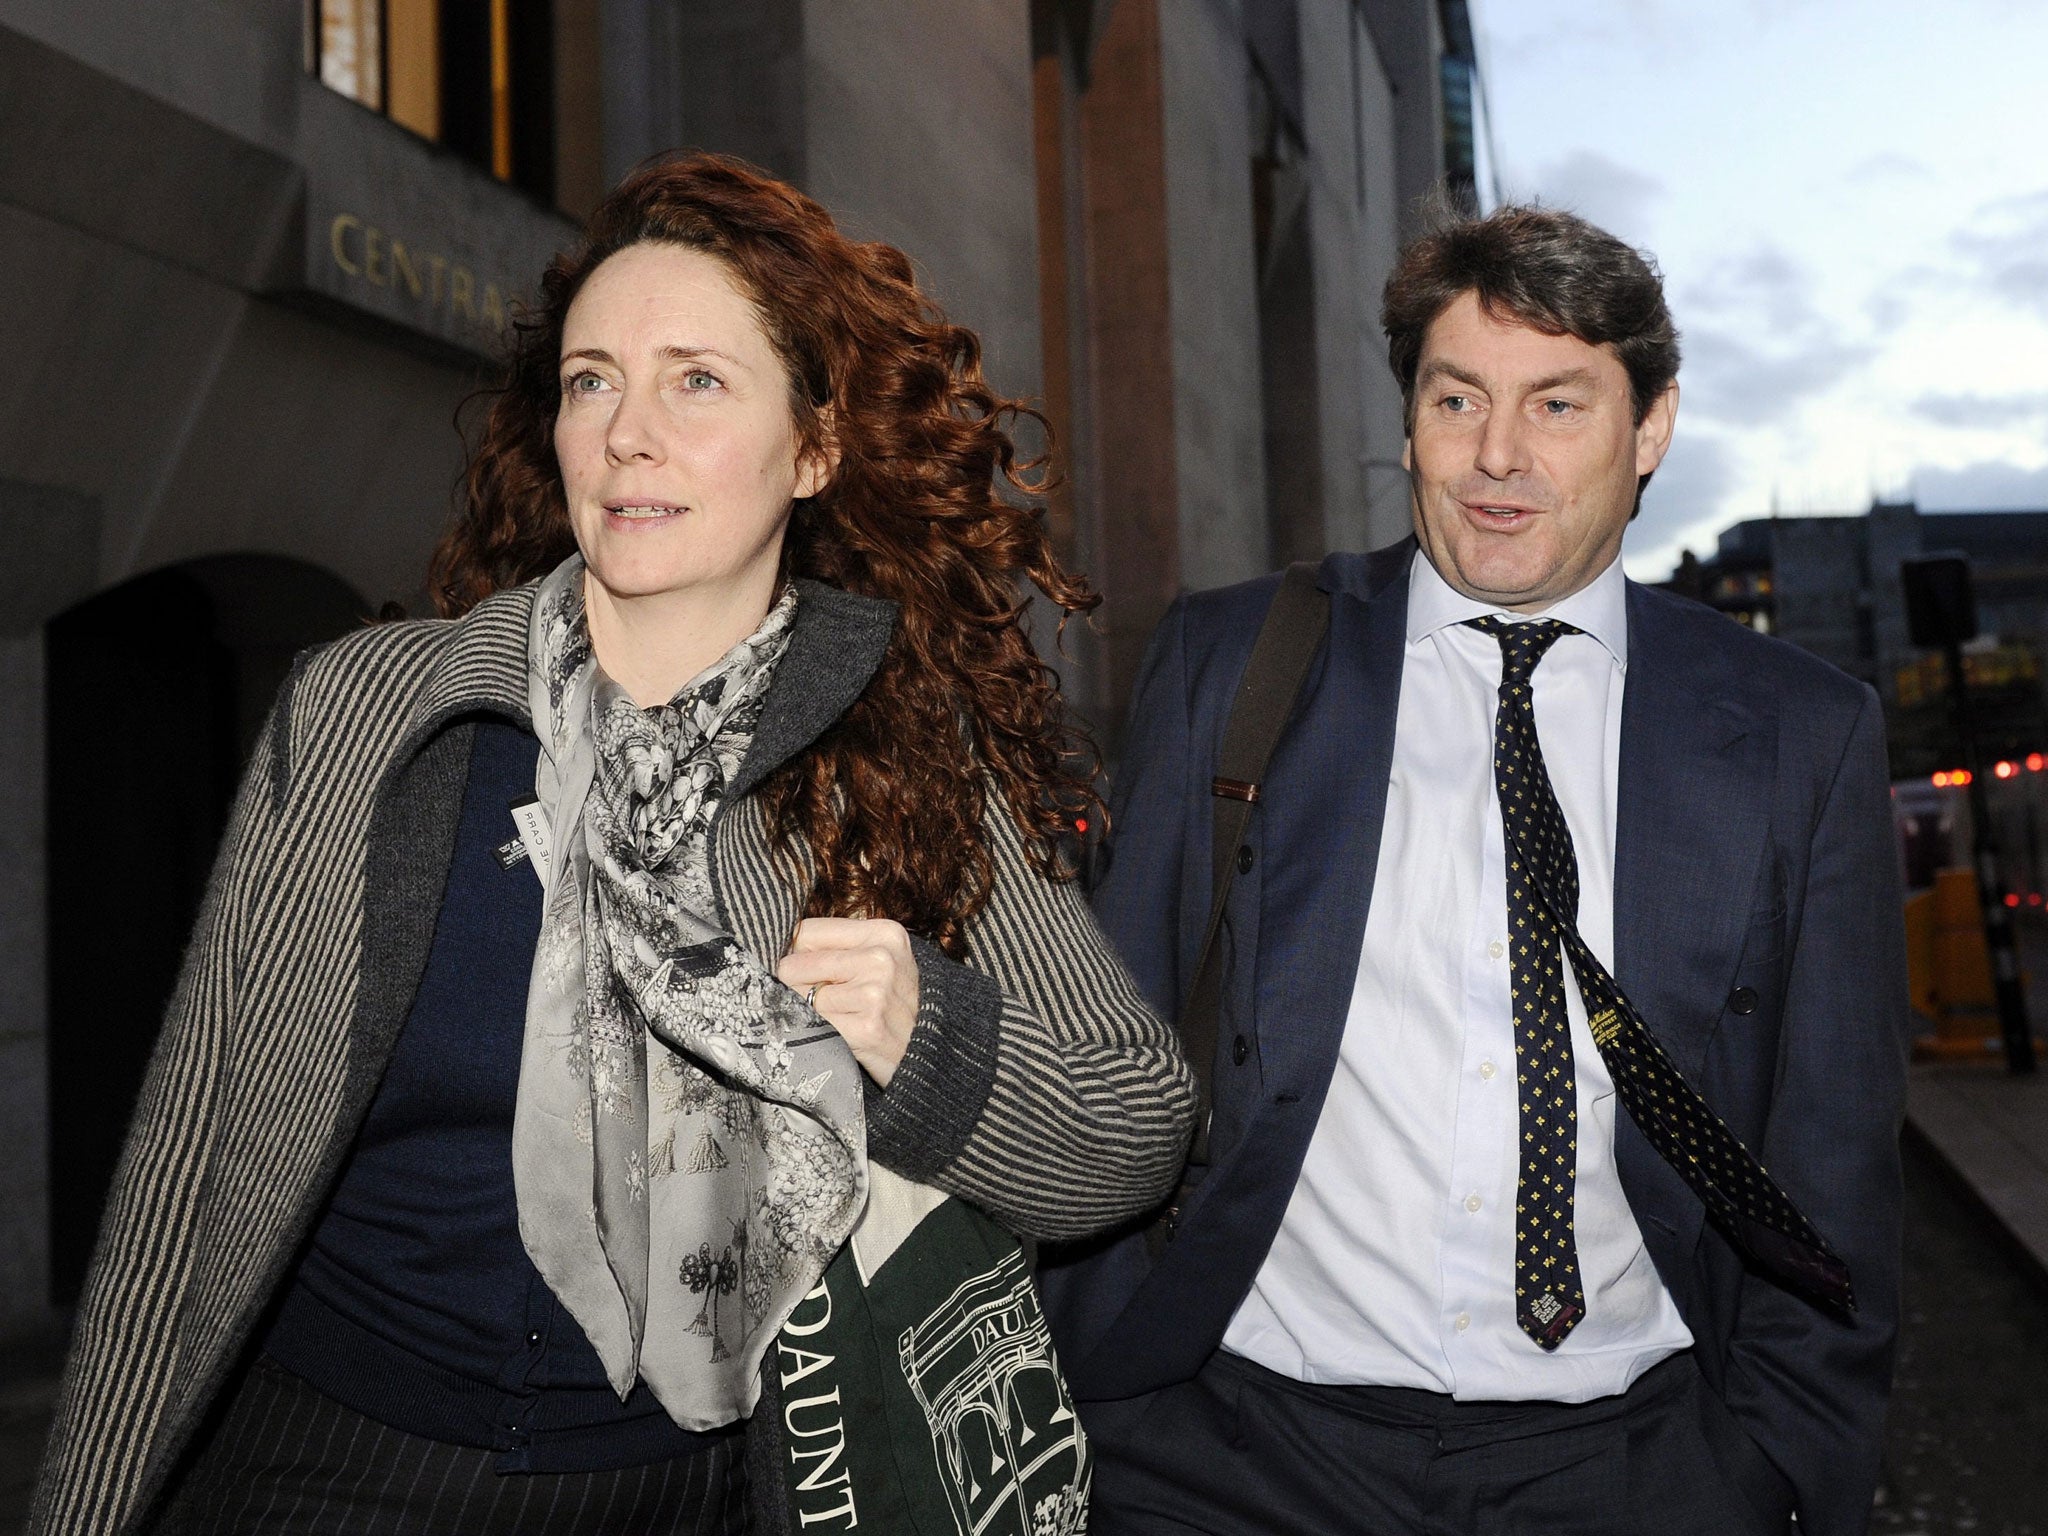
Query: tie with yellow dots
x=1549, y=1299
x=1543, y=908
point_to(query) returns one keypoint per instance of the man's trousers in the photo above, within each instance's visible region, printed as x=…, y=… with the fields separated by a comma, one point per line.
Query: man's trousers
x=1242, y=1449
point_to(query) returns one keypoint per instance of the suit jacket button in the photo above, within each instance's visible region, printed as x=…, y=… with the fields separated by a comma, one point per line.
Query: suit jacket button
x=1239, y=1049
x=1244, y=861
x=1742, y=1000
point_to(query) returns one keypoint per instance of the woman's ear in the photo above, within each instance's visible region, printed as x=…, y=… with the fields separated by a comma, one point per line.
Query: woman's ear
x=819, y=462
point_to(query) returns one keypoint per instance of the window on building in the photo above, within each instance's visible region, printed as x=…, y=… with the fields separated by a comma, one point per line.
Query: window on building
x=345, y=48
x=1458, y=71
x=483, y=77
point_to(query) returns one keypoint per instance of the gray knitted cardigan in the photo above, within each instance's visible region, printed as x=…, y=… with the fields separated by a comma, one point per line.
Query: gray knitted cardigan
x=1037, y=1083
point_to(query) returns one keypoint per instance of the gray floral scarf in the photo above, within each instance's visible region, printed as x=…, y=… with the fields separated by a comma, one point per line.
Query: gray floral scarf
x=688, y=1148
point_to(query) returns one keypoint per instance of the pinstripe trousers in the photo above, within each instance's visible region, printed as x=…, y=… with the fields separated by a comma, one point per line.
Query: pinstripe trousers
x=289, y=1461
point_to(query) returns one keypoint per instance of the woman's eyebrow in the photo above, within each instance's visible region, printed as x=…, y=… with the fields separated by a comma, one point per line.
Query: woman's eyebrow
x=685, y=354
x=669, y=354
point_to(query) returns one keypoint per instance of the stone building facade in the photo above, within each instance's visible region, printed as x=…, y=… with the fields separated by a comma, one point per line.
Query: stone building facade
x=255, y=256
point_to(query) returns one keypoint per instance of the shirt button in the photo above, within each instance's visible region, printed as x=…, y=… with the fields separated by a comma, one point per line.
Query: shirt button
x=533, y=1338
x=1244, y=861
x=1463, y=1321
x=1742, y=1000
x=1496, y=949
x=1487, y=1069
x=1472, y=1203
x=1239, y=1049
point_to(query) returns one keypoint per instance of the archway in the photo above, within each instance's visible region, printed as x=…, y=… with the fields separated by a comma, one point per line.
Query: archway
x=156, y=690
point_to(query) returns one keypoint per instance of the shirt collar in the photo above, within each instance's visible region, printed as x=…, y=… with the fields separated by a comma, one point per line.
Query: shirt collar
x=1600, y=608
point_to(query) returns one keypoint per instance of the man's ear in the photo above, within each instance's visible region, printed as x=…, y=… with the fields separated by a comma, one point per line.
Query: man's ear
x=818, y=463
x=1408, y=454
x=1653, y=432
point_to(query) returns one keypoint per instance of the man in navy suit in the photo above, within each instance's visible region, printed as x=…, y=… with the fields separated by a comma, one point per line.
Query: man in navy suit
x=1448, y=1265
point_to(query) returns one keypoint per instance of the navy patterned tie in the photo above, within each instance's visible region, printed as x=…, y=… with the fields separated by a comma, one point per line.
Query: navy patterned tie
x=1543, y=910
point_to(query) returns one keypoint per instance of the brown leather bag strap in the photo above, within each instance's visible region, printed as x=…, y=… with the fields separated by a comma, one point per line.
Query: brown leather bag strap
x=1287, y=643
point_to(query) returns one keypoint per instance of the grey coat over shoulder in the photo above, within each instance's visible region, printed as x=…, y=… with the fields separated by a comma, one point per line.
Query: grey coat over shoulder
x=1037, y=1084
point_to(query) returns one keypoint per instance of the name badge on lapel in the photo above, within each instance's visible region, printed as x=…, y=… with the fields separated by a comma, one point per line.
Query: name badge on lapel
x=532, y=842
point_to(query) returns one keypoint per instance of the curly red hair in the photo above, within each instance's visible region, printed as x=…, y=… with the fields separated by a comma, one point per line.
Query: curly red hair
x=889, y=802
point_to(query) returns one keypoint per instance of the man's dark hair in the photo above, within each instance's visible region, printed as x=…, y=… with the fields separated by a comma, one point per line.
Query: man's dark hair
x=1549, y=270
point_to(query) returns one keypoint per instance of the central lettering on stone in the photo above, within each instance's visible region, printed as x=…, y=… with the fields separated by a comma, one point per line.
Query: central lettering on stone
x=364, y=253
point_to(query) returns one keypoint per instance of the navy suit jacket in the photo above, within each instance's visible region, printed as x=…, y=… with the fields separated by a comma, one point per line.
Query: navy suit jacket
x=1757, y=927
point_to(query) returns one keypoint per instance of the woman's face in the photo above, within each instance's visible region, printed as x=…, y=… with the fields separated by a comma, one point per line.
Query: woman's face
x=678, y=450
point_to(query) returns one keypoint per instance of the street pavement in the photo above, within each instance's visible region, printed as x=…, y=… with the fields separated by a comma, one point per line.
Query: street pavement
x=1967, y=1450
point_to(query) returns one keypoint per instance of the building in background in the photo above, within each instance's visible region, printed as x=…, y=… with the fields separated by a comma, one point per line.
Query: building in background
x=254, y=256
x=250, y=257
x=1831, y=585
x=1221, y=192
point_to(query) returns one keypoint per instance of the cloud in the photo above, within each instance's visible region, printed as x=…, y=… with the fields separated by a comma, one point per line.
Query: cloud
x=1886, y=311
x=2006, y=242
x=1991, y=485
x=1764, y=284
x=1688, y=488
x=1985, y=413
x=1729, y=381
x=1614, y=196
x=1668, y=33
x=1890, y=165
x=1766, y=345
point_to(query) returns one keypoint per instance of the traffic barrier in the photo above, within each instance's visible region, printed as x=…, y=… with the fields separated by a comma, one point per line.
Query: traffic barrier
x=1948, y=970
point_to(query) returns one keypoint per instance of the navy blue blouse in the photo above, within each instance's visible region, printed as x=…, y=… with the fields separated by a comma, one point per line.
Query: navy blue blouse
x=415, y=1303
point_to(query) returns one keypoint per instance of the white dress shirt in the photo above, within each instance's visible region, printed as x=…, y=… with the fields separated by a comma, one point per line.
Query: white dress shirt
x=1394, y=1265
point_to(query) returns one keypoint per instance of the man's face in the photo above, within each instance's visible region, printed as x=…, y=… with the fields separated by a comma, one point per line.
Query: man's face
x=1524, y=454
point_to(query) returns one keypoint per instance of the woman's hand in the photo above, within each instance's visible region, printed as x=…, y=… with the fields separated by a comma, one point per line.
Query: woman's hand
x=861, y=976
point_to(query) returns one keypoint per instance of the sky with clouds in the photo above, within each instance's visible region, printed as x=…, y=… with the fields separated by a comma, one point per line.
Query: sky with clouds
x=1849, y=201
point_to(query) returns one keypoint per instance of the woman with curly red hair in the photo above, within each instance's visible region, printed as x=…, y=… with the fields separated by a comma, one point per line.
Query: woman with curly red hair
x=584, y=968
